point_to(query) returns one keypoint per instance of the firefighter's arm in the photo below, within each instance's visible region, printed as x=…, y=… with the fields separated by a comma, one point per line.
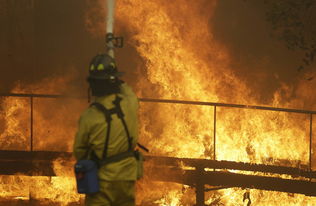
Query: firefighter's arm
x=81, y=143
x=127, y=90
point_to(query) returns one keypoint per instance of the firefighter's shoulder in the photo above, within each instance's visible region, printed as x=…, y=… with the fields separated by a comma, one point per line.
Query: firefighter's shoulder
x=91, y=114
x=127, y=90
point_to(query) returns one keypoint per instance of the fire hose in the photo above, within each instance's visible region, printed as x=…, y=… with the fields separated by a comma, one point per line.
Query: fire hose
x=111, y=40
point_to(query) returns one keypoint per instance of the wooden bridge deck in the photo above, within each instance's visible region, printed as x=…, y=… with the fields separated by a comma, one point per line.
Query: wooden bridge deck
x=40, y=163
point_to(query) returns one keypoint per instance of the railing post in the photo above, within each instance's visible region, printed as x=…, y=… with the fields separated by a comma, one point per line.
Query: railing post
x=310, y=141
x=199, y=187
x=214, y=142
x=31, y=131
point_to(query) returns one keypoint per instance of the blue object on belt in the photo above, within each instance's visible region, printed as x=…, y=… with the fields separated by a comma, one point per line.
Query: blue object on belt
x=87, y=177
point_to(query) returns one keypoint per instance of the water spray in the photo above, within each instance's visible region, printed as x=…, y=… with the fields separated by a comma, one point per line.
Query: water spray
x=111, y=41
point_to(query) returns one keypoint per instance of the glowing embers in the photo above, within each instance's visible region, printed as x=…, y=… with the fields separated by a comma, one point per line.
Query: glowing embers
x=42, y=190
x=25, y=190
x=235, y=196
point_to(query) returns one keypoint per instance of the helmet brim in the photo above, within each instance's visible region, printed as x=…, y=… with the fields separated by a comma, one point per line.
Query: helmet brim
x=106, y=76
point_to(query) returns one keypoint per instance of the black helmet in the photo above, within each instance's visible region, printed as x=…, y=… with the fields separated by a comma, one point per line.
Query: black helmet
x=103, y=67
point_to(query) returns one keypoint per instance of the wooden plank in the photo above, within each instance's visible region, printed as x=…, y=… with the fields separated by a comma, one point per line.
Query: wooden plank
x=36, y=163
x=28, y=168
x=170, y=170
x=228, y=179
x=36, y=155
x=167, y=161
x=230, y=165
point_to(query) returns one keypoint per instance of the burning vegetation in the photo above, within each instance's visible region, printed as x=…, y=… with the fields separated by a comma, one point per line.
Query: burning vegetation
x=178, y=58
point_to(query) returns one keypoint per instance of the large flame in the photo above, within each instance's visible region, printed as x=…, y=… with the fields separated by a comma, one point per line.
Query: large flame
x=184, y=62
x=54, y=120
x=54, y=126
x=181, y=60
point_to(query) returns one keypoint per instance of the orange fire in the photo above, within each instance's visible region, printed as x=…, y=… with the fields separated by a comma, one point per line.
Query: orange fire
x=54, y=121
x=15, y=123
x=182, y=60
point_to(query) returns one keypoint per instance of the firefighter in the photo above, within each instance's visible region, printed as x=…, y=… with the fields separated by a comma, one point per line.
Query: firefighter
x=116, y=178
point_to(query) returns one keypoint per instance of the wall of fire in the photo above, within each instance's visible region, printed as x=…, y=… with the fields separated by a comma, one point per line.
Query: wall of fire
x=202, y=50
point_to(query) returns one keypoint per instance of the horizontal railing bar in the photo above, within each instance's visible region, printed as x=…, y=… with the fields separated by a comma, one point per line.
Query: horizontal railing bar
x=241, y=106
x=228, y=105
x=39, y=95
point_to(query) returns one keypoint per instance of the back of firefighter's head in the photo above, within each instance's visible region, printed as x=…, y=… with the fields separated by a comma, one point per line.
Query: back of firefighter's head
x=103, y=76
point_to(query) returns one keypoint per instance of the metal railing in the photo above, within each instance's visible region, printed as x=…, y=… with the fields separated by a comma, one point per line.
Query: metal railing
x=241, y=106
x=198, y=103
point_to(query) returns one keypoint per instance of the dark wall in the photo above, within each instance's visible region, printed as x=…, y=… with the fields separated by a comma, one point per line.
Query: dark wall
x=258, y=57
x=43, y=38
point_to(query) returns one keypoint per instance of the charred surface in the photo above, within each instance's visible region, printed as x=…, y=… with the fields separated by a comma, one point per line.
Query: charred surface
x=29, y=163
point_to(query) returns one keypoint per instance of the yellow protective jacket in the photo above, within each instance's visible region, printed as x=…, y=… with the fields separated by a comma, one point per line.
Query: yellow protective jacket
x=92, y=130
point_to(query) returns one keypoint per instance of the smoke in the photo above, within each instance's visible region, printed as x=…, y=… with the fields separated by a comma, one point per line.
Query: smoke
x=41, y=39
x=258, y=57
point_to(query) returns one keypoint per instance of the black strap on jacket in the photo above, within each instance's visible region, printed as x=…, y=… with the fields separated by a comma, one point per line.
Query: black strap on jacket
x=107, y=114
x=120, y=115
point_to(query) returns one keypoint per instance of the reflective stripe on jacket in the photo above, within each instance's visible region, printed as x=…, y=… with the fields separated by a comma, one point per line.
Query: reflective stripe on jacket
x=91, y=135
